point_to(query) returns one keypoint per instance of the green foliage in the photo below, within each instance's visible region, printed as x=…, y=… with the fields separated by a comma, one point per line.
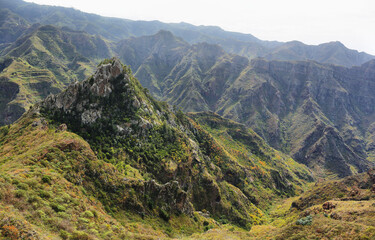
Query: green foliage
x=46, y=179
x=305, y=221
x=88, y=214
x=164, y=215
x=57, y=207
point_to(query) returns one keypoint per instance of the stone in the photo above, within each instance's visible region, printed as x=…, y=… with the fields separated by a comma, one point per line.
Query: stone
x=335, y=216
x=328, y=205
x=62, y=128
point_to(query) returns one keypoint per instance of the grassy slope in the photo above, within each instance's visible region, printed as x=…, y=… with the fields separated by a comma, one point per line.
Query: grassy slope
x=50, y=171
x=353, y=216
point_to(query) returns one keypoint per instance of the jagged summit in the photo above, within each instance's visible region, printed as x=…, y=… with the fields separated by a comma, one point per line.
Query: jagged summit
x=101, y=84
x=111, y=94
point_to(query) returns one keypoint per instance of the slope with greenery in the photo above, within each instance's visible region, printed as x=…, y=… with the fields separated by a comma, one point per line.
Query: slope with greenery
x=42, y=62
x=312, y=111
x=150, y=166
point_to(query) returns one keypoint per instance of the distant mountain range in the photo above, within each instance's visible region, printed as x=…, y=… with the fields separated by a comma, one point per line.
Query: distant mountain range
x=23, y=14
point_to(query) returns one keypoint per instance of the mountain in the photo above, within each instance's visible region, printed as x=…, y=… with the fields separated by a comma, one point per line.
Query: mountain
x=44, y=61
x=116, y=29
x=332, y=52
x=142, y=170
x=11, y=27
x=129, y=157
x=203, y=77
x=314, y=112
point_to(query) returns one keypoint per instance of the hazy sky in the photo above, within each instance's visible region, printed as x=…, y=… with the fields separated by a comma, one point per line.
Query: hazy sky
x=314, y=21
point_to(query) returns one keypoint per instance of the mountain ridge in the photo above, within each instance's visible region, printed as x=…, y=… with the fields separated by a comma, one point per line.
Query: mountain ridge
x=270, y=96
x=243, y=44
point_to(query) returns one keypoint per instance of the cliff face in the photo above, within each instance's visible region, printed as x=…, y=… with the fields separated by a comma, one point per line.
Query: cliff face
x=319, y=114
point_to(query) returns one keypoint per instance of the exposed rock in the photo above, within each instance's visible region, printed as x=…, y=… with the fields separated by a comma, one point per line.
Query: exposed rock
x=90, y=116
x=335, y=216
x=328, y=205
x=170, y=195
x=136, y=103
x=62, y=128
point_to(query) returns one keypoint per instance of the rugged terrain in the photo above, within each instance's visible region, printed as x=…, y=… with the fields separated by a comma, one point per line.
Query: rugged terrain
x=314, y=112
x=284, y=102
x=45, y=61
x=104, y=158
x=134, y=157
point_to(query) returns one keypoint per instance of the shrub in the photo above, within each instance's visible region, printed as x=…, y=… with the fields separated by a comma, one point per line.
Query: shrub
x=79, y=235
x=164, y=215
x=57, y=207
x=20, y=193
x=44, y=194
x=88, y=214
x=46, y=179
x=304, y=221
x=64, y=234
x=22, y=186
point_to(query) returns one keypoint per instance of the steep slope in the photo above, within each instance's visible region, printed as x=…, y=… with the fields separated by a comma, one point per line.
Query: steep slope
x=190, y=76
x=315, y=112
x=126, y=127
x=11, y=27
x=242, y=144
x=243, y=44
x=42, y=62
x=310, y=110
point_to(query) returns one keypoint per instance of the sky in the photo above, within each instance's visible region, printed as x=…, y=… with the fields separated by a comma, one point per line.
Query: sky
x=351, y=22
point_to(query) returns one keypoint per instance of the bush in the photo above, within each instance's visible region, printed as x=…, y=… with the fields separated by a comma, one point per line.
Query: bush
x=46, y=179
x=64, y=234
x=164, y=215
x=20, y=193
x=88, y=214
x=79, y=235
x=304, y=221
x=44, y=194
x=57, y=207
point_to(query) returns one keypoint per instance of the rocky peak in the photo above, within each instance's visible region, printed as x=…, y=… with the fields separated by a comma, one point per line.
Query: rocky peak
x=101, y=81
x=101, y=84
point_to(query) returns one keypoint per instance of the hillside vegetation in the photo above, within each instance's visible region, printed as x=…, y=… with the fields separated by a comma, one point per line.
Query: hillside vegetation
x=138, y=166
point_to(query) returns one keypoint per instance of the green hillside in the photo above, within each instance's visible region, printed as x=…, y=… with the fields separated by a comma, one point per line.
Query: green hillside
x=151, y=170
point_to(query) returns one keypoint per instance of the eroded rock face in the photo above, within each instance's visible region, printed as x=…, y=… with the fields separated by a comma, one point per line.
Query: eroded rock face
x=314, y=112
x=99, y=85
